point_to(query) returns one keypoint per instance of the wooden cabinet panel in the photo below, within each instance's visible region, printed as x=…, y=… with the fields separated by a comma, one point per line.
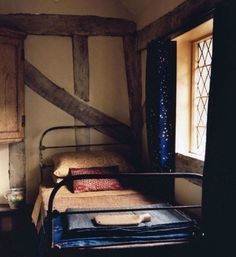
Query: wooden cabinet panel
x=11, y=86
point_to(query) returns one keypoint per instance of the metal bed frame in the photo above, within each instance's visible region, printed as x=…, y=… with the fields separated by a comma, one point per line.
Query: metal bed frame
x=68, y=180
x=43, y=147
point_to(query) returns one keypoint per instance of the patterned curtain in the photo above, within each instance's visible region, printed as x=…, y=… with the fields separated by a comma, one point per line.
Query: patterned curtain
x=219, y=184
x=160, y=107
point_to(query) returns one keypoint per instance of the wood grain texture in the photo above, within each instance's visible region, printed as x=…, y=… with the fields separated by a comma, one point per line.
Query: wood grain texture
x=81, y=67
x=17, y=164
x=8, y=88
x=73, y=106
x=11, y=86
x=67, y=25
x=12, y=33
x=133, y=75
x=81, y=82
x=184, y=17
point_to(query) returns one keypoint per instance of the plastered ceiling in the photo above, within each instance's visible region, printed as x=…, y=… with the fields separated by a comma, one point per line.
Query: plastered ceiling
x=136, y=6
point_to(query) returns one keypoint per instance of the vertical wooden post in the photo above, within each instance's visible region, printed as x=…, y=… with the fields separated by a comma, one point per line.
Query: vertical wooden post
x=81, y=66
x=133, y=74
x=81, y=81
x=17, y=164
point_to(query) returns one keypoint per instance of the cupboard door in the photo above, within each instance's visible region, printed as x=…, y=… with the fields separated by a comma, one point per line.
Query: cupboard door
x=11, y=89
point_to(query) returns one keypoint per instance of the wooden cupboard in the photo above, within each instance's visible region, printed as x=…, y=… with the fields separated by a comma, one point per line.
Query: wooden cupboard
x=11, y=86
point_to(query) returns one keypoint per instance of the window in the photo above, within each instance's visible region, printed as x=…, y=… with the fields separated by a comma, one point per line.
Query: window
x=194, y=54
x=202, y=57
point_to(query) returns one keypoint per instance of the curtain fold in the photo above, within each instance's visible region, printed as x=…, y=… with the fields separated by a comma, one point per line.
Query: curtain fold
x=219, y=184
x=160, y=108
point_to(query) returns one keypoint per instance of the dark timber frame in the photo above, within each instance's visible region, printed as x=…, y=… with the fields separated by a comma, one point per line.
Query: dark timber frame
x=67, y=25
x=81, y=66
x=133, y=75
x=76, y=108
x=185, y=16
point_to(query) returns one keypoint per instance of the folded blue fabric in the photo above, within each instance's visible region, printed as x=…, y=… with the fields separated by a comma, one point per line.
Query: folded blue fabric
x=77, y=220
x=78, y=229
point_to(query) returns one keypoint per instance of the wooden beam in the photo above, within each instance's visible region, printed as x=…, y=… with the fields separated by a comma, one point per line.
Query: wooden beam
x=76, y=108
x=81, y=67
x=81, y=82
x=67, y=25
x=17, y=164
x=184, y=17
x=133, y=75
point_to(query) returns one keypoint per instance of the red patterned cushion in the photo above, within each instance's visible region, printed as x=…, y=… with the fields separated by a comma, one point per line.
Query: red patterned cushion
x=85, y=185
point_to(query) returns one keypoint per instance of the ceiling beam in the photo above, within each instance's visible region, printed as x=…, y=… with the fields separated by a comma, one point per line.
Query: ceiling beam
x=67, y=25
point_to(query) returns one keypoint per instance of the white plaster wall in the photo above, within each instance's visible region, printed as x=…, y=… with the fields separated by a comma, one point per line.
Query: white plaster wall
x=53, y=57
x=108, y=77
x=4, y=182
x=188, y=193
x=154, y=10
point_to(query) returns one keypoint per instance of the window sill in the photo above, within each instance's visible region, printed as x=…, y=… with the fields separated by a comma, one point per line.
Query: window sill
x=193, y=156
x=186, y=163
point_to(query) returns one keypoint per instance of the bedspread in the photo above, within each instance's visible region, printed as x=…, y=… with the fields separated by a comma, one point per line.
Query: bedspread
x=65, y=199
x=164, y=225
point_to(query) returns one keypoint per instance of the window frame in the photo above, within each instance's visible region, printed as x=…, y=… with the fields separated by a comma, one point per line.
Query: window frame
x=192, y=127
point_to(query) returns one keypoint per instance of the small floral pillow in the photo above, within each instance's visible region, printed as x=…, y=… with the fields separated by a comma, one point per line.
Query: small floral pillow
x=85, y=185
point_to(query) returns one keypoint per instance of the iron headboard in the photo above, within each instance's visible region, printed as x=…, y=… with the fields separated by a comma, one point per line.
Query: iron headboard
x=43, y=147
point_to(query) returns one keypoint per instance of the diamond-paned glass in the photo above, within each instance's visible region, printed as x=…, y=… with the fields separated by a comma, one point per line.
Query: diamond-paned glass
x=200, y=90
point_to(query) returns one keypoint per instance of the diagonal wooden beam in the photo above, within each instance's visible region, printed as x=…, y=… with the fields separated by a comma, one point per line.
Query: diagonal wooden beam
x=67, y=25
x=76, y=108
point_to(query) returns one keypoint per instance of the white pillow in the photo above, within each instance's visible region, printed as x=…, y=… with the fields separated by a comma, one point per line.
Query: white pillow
x=86, y=159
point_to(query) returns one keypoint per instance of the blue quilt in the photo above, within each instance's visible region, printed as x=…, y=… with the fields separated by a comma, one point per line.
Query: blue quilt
x=74, y=229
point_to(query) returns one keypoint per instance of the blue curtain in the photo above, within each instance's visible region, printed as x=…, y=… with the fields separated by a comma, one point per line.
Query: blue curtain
x=219, y=184
x=160, y=107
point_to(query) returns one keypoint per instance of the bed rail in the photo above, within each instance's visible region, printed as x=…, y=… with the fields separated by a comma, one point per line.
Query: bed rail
x=68, y=180
x=43, y=147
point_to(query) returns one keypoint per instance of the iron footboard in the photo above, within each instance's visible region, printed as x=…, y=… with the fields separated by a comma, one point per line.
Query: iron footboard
x=68, y=180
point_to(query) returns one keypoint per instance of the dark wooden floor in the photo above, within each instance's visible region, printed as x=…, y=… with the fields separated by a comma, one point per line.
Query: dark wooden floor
x=17, y=235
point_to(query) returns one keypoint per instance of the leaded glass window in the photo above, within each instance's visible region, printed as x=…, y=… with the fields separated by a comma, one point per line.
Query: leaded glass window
x=202, y=56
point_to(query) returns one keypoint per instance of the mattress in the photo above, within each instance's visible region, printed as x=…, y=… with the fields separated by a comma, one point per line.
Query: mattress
x=65, y=199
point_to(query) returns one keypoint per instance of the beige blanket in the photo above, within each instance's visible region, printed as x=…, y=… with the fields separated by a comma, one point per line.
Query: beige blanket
x=100, y=199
